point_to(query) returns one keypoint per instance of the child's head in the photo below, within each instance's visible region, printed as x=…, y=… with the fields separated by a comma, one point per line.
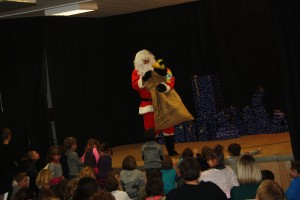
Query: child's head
x=269, y=189
x=70, y=188
x=234, y=149
x=167, y=163
x=267, y=174
x=205, y=151
x=187, y=152
x=104, y=149
x=295, y=168
x=70, y=143
x=112, y=183
x=129, y=163
x=87, y=172
x=154, y=187
x=22, y=179
x=92, y=143
x=54, y=153
x=216, y=157
x=32, y=155
x=149, y=134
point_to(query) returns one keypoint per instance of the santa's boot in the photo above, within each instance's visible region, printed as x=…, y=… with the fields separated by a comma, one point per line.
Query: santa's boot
x=169, y=142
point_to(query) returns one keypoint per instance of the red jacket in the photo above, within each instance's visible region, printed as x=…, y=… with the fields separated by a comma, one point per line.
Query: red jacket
x=136, y=82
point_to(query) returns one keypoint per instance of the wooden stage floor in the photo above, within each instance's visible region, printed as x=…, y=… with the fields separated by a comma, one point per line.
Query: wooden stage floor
x=276, y=144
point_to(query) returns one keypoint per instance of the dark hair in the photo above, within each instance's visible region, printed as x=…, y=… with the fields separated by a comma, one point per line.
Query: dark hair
x=189, y=169
x=154, y=187
x=24, y=193
x=111, y=183
x=295, y=164
x=104, y=147
x=86, y=187
x=167, y=163
x=129, y=163
x=217, y=153
x=69, y=142
x=149, y=134
x=234, y=149
x=205, y=151
x=102, y=195
x=187, y=152
x=267, y=174
x=52, y=151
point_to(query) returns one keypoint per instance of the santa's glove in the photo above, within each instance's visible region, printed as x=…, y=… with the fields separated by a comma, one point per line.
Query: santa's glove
x=161, y=87
x=161, y=72
x=147, y=75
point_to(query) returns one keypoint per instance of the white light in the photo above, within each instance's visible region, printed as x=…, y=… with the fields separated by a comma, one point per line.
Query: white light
x=73, y=9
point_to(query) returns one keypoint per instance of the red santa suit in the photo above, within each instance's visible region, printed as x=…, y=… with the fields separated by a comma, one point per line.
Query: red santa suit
x=146, y=107
x=143, y=65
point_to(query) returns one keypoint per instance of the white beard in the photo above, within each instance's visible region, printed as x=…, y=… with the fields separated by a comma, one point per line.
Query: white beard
x=139, y=64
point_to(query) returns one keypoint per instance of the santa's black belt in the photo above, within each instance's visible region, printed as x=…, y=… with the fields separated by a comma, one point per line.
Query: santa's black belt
x=147, y=99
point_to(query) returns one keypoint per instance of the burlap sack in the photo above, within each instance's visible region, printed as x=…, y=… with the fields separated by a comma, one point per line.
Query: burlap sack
x=169, y=109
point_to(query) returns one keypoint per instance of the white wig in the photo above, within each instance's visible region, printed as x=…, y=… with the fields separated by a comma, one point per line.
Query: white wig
x=140, y=57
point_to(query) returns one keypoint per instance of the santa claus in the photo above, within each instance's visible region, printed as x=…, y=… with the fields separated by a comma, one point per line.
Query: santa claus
x=143, y=67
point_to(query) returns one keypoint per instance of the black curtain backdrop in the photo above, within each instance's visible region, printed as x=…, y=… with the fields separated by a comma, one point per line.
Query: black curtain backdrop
x=90, y=62
x=22, y=85
x=287, y=24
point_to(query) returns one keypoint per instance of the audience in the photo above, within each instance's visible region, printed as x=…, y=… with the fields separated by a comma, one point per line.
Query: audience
x=249, y=177
x=112, y=185
x=86, y=187
x=8, y=165
x=219, y=174
x=234, y=152
x=91, y=156
x=168, y=174
x=20, y=180
x=104, y=164
x=155, y=189
x=269, y=190
x=293, y=191
x=25, y=193
x=70, y=188
x=75, y=164
x=186, y=153
x=193, y=189
x=102, y=195
x=152, y=152
x=132, y=179
x=267, y=174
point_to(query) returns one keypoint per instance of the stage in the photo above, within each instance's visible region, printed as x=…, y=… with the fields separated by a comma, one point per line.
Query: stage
x=276, y=144
x=275, y=156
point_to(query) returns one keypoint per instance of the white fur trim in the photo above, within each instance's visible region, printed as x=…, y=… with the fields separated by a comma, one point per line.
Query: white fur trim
x=167, y=86
x=146, y=109
x=140, y=83
x=168, y=134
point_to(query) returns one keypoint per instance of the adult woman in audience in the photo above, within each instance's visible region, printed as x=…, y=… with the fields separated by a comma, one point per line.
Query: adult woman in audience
x=221, y=175
x=249, y=177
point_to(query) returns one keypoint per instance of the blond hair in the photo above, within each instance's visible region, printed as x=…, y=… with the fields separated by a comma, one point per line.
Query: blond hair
x=248, y=170
x=43, y=178
x=87, y=172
